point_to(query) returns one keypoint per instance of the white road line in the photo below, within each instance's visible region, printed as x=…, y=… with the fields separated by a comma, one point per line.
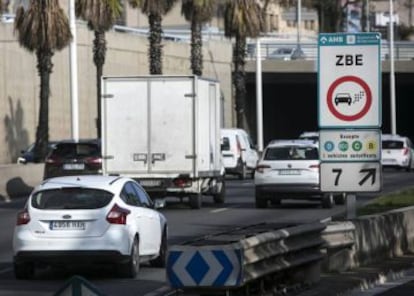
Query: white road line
x=218, y=210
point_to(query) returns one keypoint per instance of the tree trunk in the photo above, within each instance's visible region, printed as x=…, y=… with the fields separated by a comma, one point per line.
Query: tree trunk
x=99, y=53
x=239, y=80
x=196, y=48
x=44, y=68
x=155, y=50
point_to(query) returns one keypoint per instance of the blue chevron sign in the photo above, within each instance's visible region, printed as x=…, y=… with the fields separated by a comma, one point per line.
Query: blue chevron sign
x=192, y=267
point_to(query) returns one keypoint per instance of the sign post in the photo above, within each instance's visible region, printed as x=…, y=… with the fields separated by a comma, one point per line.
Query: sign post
x=349, y=113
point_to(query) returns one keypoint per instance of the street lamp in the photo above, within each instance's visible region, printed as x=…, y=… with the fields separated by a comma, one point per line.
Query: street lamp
x=298, y=53
x=392, y=71
x=73, y=74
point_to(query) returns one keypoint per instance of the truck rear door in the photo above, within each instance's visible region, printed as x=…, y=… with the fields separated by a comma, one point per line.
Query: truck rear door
x=171, y=125
x=125, y=127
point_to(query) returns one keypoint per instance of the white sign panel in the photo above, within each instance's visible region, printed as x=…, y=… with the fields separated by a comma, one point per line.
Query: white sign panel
x=349, y=77
x=350, y=145
x=351, y=177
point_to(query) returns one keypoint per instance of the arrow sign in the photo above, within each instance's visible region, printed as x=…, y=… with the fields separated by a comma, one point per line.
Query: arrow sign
x=370, y=173
x=198, y=267
x=350, y=177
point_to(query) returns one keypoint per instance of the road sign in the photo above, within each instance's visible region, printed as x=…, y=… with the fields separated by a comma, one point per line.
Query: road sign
x=350, y=145
x=351, y=177
x=349, y=78
x=187, y=267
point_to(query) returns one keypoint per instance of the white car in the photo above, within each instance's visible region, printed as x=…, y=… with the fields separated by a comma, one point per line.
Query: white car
x=238, y=152
x=89, y=219
x=289, y=169
x=314, y=136
x=397, y=152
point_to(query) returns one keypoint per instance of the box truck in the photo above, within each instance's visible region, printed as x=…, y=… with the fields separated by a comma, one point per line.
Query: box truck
x=164, y=131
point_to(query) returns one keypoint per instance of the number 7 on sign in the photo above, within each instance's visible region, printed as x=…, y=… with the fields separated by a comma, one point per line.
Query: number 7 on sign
x=338, y=173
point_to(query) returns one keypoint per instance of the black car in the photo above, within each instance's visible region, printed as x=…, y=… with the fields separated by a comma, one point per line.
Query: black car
x=69, y=157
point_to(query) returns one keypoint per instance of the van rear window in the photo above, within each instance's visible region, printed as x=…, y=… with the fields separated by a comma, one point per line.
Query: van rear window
x=392, y=144
x=225, y=144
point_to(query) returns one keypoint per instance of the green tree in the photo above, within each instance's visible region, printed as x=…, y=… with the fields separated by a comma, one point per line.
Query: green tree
x=100, y=16
x=198, y=12
x=43, y=28
x=155, y=10
x=242, y=19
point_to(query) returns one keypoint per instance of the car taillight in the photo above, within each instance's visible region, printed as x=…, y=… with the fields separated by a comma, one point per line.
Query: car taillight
x=180, y=182
x=95, y=161
x=405, y=151
x=117, y=215
x=262, y=167
x=23, y=217
x=239, y=148
x=314, y=167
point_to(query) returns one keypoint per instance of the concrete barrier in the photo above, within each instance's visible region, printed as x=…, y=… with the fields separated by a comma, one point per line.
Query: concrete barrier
x=18, y=180
x=368, y=239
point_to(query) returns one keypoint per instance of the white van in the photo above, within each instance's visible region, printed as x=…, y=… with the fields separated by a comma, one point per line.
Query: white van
x=239, y=154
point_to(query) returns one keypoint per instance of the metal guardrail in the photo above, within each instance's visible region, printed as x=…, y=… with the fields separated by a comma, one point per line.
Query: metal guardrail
x=403, y=50
x=231, y=260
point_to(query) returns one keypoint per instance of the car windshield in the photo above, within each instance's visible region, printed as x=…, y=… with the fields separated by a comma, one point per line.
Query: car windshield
x=291, y=153
x=69, y=150
x=389, y=144
x=71, y=198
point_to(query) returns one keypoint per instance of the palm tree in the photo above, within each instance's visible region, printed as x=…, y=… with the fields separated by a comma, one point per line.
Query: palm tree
x=155, y=10
x=242, y=19
x=4, y=4
x=197, y=12
x=100, y=16
x=43, y=28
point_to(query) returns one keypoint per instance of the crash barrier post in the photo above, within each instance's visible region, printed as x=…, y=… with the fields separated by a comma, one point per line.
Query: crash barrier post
x=339, y=241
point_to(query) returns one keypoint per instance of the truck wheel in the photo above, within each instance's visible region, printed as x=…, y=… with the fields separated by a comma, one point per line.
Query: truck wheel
x=340, y=199
x=327, y=201
x=23, y=271
x=219, y=197
x=195, y=201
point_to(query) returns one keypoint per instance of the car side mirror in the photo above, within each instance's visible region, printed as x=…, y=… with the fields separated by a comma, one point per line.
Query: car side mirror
x=159, y=203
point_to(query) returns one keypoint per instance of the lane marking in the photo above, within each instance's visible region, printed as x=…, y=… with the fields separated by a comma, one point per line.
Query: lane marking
x=218, y=210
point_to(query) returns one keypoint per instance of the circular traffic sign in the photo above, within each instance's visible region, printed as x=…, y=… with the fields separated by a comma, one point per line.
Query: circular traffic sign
x=348, y=99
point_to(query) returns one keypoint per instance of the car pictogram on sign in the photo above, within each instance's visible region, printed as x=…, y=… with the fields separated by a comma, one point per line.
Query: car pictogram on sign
x=343, y=98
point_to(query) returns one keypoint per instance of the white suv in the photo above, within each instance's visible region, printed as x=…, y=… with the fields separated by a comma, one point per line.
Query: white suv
x=397, y=152
x=289, y=169
x=89, y=219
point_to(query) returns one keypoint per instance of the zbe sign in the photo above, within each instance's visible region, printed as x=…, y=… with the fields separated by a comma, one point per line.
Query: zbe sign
x=349, y=76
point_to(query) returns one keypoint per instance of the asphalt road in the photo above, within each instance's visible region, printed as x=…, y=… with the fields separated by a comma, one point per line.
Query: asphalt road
x=184, y=224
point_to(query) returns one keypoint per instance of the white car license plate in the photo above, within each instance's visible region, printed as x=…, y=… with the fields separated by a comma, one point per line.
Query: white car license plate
x=67, y=225
x=74, y=166
x=289, y=172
